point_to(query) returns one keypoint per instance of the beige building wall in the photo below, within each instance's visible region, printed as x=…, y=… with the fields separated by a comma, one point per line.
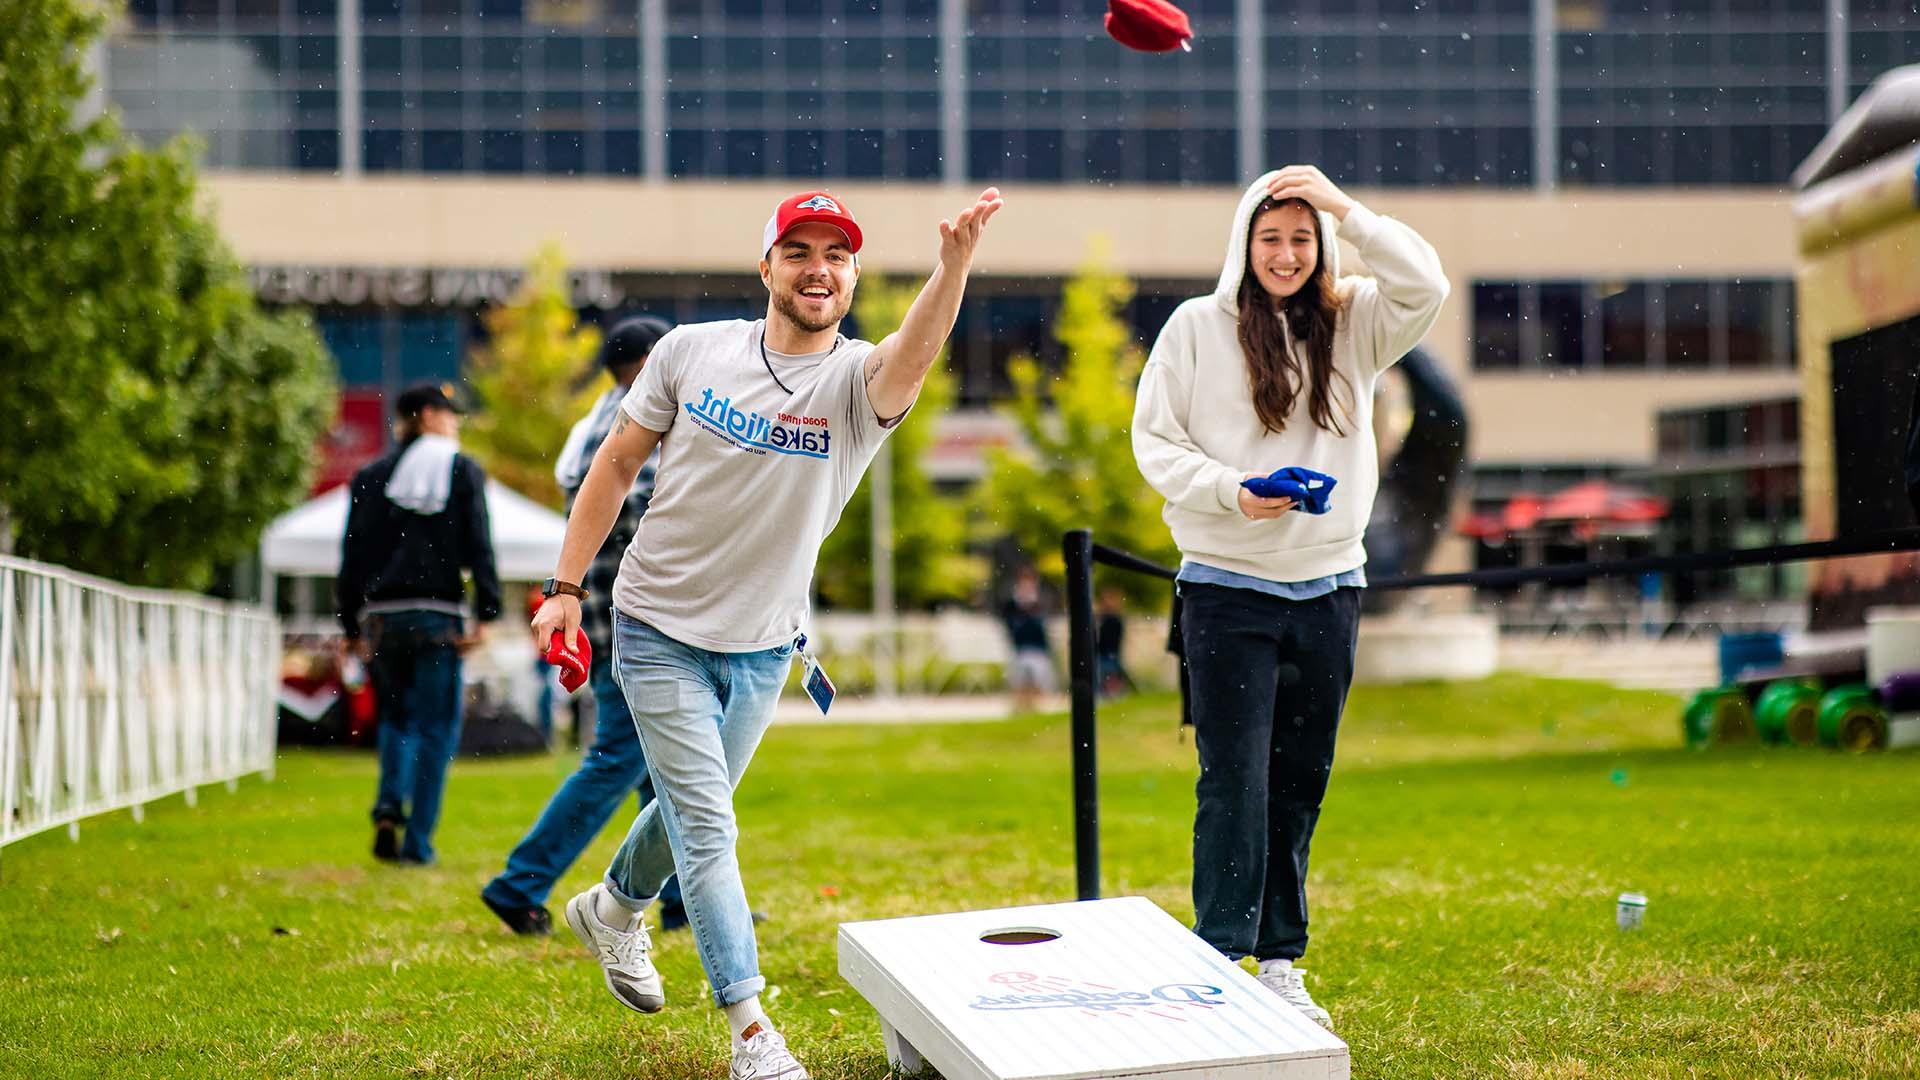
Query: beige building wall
x=413, y=221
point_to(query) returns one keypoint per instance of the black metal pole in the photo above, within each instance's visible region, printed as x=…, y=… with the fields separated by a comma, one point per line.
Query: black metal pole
x=1077, y=546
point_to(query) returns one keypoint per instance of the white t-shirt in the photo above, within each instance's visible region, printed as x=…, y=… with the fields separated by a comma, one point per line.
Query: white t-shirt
x=752, y=479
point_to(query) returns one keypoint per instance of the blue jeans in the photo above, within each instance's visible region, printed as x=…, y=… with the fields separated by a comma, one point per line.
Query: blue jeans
x=611, y=769
x=700, y=715
x=416, y=679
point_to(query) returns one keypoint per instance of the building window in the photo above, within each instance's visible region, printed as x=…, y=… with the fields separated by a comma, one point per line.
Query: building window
x=1739, y=324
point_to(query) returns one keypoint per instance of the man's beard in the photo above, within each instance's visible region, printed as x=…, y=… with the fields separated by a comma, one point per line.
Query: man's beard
x=786, y=304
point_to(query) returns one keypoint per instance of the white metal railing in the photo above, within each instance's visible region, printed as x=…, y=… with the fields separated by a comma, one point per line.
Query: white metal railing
x=113, y=696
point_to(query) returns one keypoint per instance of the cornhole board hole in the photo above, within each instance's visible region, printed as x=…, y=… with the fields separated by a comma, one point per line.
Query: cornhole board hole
x=1101, y=988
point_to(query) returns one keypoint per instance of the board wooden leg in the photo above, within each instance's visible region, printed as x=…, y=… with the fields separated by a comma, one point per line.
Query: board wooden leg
x=906, y=1061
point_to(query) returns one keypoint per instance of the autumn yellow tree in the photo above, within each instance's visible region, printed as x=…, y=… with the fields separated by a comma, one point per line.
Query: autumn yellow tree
x=527, y=379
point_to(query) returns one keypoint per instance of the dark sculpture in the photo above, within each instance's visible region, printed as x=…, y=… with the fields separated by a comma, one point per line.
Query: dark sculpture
x=1416, y=488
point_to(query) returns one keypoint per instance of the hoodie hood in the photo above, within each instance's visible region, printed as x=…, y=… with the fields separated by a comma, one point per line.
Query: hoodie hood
x=1227, y=293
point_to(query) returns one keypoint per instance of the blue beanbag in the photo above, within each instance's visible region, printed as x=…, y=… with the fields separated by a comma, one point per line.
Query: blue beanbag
x=1308, y=489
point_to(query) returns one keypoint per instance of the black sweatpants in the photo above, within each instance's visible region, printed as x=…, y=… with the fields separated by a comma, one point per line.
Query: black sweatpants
x=1268, y=680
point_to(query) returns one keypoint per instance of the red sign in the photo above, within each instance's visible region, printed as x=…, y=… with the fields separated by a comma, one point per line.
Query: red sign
x=359, y=435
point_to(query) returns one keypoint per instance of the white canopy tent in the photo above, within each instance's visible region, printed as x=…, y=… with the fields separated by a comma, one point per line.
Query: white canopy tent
x=305, y=541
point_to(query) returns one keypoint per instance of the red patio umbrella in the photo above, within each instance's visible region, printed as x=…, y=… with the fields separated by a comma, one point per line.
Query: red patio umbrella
x=1603, y=501
x=1522, y=512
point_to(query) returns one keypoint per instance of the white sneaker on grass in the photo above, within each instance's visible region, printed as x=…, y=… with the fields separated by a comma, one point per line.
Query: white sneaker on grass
x=1290, y=984
x=623, y=954
x=765, y=1057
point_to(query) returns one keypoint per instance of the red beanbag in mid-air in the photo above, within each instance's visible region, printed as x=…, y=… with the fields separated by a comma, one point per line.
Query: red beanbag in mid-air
x=1148, y=25
x=573, y=665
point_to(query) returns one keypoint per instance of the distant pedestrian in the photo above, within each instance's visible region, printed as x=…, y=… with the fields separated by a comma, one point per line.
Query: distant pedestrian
x=1109, y=643
x=1030, y=673
x=416, y=519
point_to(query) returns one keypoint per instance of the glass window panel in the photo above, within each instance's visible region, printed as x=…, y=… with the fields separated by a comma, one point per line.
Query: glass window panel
x=443, y=151
x=620, y=150
x=865, y=153
x=565, y=55
x=1689, y=324
x=1496, y=325
x=443, y=53
x=1562, y=324
x=922, y=154
x=1623, y=326
x=746, y=152
x=319, y=149
x=805, y=153
x=503, y=150
x=380, y=53
x=1751, y=341
x=383, y=151
x=502, y=55
x=564, y=152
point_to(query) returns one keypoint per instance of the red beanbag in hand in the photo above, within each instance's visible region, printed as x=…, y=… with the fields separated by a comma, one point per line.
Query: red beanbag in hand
x=1148, y=25
x=573, y=665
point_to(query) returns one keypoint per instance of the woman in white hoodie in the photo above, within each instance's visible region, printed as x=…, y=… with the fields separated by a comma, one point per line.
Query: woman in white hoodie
x=1275, y=369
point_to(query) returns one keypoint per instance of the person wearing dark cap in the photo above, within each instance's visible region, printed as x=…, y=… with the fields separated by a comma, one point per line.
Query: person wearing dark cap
x=765, y=429
x=613, y=767
x=416, y=519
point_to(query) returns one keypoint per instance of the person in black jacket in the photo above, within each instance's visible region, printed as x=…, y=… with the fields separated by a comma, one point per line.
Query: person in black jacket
x=416, y=518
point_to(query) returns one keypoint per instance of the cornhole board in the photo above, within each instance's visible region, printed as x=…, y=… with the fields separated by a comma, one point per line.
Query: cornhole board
x=1100, y=988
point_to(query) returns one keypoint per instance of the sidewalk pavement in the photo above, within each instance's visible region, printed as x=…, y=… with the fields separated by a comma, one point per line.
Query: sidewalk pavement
x=941, y=709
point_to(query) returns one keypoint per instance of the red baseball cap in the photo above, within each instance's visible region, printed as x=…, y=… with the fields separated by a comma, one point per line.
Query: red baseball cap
x=1148, y=25
x=805, y=207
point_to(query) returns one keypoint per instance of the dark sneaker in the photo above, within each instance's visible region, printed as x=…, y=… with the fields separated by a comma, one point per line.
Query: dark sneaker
x=386, y=842
x=532, y=921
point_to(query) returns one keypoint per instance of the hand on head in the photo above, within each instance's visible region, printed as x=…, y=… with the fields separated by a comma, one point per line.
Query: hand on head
x=1308, y=183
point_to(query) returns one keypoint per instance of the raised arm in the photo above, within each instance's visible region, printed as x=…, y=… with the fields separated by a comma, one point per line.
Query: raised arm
x=595, y=508
x=1397, y=307
x=898, y=365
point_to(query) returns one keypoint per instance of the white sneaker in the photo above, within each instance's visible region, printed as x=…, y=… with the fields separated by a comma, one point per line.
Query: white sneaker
x=623, y=954
x=1290, y=984
x=766, y=1057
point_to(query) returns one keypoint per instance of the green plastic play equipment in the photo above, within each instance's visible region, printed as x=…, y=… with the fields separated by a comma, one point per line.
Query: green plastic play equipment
x=1789, y=712
x=1718, y=716
x=1851, y=719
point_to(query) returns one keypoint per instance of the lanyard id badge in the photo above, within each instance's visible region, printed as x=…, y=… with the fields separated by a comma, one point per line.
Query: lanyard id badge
x=813, y=677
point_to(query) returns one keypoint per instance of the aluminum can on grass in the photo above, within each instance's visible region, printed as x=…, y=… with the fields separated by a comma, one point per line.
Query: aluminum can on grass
x=1630, y=911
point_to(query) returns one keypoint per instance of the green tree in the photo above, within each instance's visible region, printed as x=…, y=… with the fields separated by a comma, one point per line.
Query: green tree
x=931, y=563
x=525, y=377
x=157, y=418
x=1075, y=467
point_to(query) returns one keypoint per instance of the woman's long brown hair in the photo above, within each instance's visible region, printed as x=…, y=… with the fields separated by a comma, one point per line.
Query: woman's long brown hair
x=1312, y=314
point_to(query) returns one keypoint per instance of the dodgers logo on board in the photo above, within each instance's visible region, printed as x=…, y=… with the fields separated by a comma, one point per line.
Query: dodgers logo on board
x=820, y=202
x=1024, y=991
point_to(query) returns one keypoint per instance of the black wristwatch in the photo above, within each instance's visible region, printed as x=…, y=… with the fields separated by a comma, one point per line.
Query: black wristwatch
x=556, y=587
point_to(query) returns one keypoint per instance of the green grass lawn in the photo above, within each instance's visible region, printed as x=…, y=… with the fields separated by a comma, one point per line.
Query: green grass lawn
x=1463, y=886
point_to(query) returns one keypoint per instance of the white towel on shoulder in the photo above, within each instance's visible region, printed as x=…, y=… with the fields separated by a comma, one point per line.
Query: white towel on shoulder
x=576, y=457
x=422, y=480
